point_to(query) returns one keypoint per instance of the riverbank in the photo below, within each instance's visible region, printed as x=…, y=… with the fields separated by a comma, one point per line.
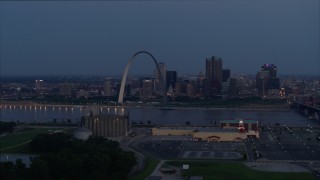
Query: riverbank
x=250, y=107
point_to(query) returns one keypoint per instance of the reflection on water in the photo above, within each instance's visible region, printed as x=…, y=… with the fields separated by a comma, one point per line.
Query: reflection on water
x=155, y=116
x=39, y=114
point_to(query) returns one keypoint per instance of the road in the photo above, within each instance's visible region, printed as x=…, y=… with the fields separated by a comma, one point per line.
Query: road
x=9, y=147
x=249, y=150
x=124, y=144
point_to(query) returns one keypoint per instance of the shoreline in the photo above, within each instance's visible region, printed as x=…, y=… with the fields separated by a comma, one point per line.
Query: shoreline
x=169, y=108
x=144, y=106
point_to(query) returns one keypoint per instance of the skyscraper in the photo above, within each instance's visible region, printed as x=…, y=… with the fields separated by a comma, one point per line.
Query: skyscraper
x=162, y=67
x=233, y=90
x=271, y=68
x=214, y=74
x=39, y=86
x=267, y=79
x=65, y=89
x=171, y=79
x=107, y=87
x=225, y=75
x=158, y=83
x=184, y=89
x=206, y=87
x=147, y=88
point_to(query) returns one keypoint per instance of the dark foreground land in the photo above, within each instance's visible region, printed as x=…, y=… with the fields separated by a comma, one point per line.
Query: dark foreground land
x=213, y=169
x=234, y=170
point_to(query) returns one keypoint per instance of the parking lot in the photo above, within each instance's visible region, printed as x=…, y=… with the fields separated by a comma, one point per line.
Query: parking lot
x=289, y=144
x=211, y=155
x=185, y=148
x=275, y=143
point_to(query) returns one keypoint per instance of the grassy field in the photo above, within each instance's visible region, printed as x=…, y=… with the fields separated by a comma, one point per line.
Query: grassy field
x=151, y=164
x=234, y=170
x=18, y=142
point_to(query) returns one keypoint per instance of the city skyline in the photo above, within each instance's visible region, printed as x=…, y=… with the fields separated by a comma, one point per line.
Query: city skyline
x=100, y=38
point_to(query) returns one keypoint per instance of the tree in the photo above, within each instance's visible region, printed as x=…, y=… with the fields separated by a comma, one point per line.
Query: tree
x=21, y=170
x=245, y=156
x=7, y=171
x=10, y=170
x=7, y=127
x=62, y=157
x=39, y=169
x=66, y=158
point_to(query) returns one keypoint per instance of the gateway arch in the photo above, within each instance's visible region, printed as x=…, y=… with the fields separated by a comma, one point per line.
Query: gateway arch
x=125, y=73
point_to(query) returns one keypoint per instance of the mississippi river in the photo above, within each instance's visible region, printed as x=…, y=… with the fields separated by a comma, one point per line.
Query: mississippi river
x=196, y=116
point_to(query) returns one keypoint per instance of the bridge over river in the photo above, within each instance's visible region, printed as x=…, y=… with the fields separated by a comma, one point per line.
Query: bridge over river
x=309, y=110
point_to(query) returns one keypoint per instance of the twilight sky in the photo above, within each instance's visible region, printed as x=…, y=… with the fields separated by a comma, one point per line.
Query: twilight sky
x=98, y=38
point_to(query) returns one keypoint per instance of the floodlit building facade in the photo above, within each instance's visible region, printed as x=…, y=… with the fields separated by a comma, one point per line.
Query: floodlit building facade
x=107, y=125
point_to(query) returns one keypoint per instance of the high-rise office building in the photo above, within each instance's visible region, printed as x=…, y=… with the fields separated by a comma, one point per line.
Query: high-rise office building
x=39, y=86
x=127, y=90
x=135, y=84
x=225, y=75
x=271, y=68
x=233, y=90
x=201, y=78
x=162, y=67
x=196, y=84
x=267, y=79
x=171, y=79
x=157, y=83
x=147, y=88
x=206, y=90
x=65, y=89
x=108, y=87
x=82, y=93
x=184, y=89
x=214, y=74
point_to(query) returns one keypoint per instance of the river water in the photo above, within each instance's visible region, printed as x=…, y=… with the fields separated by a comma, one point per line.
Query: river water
x=156, y=116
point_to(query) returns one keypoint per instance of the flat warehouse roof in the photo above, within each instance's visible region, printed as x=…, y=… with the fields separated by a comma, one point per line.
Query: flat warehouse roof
x=200, y=129
x=237, y=121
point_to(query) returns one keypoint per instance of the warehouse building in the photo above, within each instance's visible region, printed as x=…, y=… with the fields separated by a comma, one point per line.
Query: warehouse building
x=227, y=132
